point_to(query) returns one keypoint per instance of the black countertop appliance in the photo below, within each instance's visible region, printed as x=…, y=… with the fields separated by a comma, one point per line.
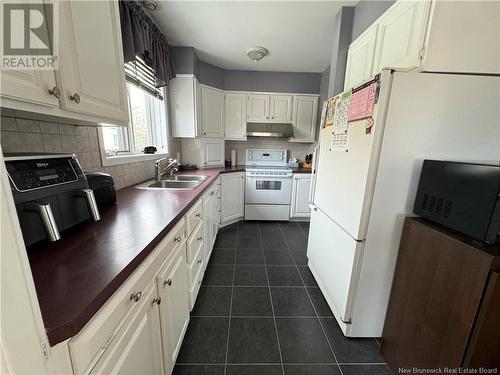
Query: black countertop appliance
x=103, y=186
x=462, y=196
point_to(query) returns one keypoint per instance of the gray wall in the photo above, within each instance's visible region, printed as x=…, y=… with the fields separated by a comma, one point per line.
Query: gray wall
x=185, y=60
x=304, y=83
x=210, y=75
x=367, y=12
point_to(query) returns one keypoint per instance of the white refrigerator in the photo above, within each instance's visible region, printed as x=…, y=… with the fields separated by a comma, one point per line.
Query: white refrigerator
x=360, y=198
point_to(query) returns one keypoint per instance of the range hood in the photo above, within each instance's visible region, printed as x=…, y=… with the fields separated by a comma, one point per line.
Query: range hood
x=269, y=130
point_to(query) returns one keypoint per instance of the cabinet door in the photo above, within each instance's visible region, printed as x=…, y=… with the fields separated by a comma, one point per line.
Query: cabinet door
x=360, y=58
x=137, y=347
x=182, y=102
x=212, y=108
x=258, y=108
x=213, y=152
x=232, y=192
x=207, y=225
x=214, y=219
x=401, y=35
x=236, y=117
x=91, y=59
x=173, y=289
x=281, y=108
x=29, y=85
x=300, y=196
x=304, y=119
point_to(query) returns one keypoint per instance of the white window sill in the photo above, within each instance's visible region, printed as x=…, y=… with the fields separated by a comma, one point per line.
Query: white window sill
x=108, y=161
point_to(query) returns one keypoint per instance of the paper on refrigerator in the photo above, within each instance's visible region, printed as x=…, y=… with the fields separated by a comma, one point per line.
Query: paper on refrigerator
x=340, y=134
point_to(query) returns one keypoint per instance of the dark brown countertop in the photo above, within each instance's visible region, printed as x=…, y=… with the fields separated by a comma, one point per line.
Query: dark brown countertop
x=76, y=275
x=301, y=170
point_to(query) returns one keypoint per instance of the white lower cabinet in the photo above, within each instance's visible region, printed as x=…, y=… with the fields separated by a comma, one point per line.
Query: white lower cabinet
x=137, y=347
x=299, y=208
x=172, y=284
x=232, y=194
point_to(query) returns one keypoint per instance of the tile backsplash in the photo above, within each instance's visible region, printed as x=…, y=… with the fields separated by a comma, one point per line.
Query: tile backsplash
x=295, y=150
x=23, y=132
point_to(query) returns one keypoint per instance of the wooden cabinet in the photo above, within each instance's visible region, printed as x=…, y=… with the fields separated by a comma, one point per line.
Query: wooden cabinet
x=172, y=283
x=258, y=108
x=235, y=118
x=305, y=118
x=281, y=108
x=204, y=152
x=210, y=222
x=299, y=208
x=401, y=35
x=212, y=112
x=443, y=305
x=360, y=58
x=92, y=69
x=137, y=347
x=233, y=197
x=184, y=100
x=90, y=77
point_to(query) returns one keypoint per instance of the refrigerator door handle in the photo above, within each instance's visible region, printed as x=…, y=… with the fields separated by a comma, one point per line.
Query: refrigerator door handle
x=313, y=177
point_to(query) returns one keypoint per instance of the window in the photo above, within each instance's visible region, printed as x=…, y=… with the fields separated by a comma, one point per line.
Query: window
x=147, y=113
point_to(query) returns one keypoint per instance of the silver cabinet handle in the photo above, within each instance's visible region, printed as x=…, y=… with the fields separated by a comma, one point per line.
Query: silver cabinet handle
x=55, y=92
x=75, y=97
x=177, y=239
x=136, y=297
x=212, y=193
x=167, y=282
x=48, y=220
x=199, y=239
x=157, y=300
x=200, y=260
x=198, y=216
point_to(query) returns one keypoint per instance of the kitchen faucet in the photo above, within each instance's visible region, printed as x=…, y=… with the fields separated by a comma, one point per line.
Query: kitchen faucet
x=170, y=168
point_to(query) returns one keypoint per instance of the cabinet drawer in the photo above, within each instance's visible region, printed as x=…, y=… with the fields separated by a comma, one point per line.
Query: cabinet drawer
x=194, y=287
x=194, y=243
x=91, y=342
x=194, y=216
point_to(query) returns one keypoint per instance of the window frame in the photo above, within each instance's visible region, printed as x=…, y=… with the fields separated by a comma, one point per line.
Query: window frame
x=131, y=155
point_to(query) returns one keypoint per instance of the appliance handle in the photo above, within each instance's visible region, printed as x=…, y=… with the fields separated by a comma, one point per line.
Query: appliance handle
x=48, y=220
x=88, y=194
x=313, y=177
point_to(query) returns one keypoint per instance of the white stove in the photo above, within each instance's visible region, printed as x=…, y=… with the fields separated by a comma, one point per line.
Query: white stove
x=268, y=185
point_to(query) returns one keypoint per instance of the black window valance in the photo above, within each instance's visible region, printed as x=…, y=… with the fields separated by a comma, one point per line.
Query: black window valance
x=141, y=37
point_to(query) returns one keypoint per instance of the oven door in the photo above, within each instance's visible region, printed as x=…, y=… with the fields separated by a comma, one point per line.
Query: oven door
x=268, y=189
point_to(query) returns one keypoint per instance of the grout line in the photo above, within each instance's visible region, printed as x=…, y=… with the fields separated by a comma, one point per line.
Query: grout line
x=314, y=308
x=231, y=305
x=285, y=363
x=272, y=308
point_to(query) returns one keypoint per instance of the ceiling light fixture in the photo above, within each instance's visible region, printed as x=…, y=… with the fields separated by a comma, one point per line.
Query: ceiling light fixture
x=151, y=4
x=256, y=53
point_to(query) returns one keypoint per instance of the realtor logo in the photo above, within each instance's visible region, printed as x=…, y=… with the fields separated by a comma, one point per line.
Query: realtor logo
x=28, y=40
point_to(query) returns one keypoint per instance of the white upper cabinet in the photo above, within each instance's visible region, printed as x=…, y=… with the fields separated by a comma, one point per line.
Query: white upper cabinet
x=281, y=108
x=233, y=191
x=236, y=116
x=401, y=35
x=92, y=69
x=212, y=109
x=360, y=58
x=30, y=86
x=184, y=96
x=305, y=118
x=258, y=108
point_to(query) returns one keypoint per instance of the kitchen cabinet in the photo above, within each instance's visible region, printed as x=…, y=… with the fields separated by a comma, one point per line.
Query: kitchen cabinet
x=90, y=79
x=235, y=118
x=360, y=58
x=305, y=118
x=401, y=35
x=212, y=112
x=204, y=152
x=299, y=208
x=172, y=283
x=281, y=108
x=258, y=108
x=185, y=107
x=137, y=348
x=211, y=217
x=233, y=198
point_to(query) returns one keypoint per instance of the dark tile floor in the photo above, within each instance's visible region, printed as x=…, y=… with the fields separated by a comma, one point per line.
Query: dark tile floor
x=260, y=312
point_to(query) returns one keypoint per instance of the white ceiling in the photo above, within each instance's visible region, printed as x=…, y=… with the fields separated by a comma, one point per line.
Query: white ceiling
x=298, y=34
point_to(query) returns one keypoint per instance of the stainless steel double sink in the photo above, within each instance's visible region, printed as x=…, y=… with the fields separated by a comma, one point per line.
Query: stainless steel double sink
x=176, y=182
